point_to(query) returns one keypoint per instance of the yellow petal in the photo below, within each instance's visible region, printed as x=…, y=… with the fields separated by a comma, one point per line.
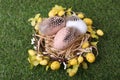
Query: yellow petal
x=80, y=59
x=58, y=8
x=30, y=19
x=39, y=20
x=90, y=57
x=89, y=29
x=33, y=23
x=61, y=13
x=100, y=32
x=73, y=61
x=52, y=13
x=44, y=62
x=81, y=15
x=69, y=11
x=94, y=43
x=85, y=44
x=37, y=16
x=37, y=27
x=35, y=63
x=94, y=36
x=88, y=21
x=55, y=65
x=31, y=52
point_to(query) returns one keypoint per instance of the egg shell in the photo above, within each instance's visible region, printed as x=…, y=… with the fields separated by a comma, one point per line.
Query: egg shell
x=65, y=37
x=51, y=25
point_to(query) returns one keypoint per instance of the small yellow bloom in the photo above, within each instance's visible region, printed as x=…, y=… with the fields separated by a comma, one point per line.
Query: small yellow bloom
x=88, y=21
x=89, y=29
x=37, y=19
x=44, y=62
x=35, y=63
x=36, y=16
x=72, y=73
x=31, y=52
x=33, y=22
x=69, y=11
x=80, y=59
x=81, y=15
x=73, y=61
x=38, y=58
x=94, y=43
x=58, y=8
x=100, y=32
x=55, y=65
x=90, y=57
x=30, y=19
x=52, y=13
x=36, y=27
x=93, y=35
x=61, y=13
x=85, y=44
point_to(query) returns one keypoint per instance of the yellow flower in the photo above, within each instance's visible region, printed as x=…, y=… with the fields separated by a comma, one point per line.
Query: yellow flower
x=93, y=35
x=89, y=29
x=81, y=15
x=52, y=13
x=56, y=10
x=37, y=19
x=36, y=16
x=31, y=52
x=88, y=21
x=44, y=62
x=100, y=32
x=55, y=65
x=33, y=61
x=72, y=71
x=61, y=13
x=72, y=61
x=37, y=27
x=85, y=44
x=69, y=11
x=90, y=57
x=80, y=59
x=94, y=43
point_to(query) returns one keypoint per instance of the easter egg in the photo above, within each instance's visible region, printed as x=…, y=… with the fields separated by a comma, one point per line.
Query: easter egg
x=51, y=25
x=65, y=37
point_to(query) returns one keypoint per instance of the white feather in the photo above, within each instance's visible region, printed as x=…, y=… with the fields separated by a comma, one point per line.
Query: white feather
x=79, y=24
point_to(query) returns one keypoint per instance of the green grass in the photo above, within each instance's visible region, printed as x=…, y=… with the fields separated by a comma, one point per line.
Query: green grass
x=15, y=35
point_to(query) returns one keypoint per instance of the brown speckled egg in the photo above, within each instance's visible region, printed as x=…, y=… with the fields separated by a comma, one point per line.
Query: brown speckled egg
x=51, y=25
x=65, y=37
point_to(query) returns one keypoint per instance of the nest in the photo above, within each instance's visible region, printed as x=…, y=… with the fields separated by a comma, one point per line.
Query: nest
x=44, y=47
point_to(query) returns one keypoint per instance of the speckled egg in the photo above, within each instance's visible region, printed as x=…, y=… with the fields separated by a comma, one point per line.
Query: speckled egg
x=51, y=25
x=65, y=37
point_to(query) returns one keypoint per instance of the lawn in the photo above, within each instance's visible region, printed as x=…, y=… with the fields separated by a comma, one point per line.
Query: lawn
x=15, y=35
